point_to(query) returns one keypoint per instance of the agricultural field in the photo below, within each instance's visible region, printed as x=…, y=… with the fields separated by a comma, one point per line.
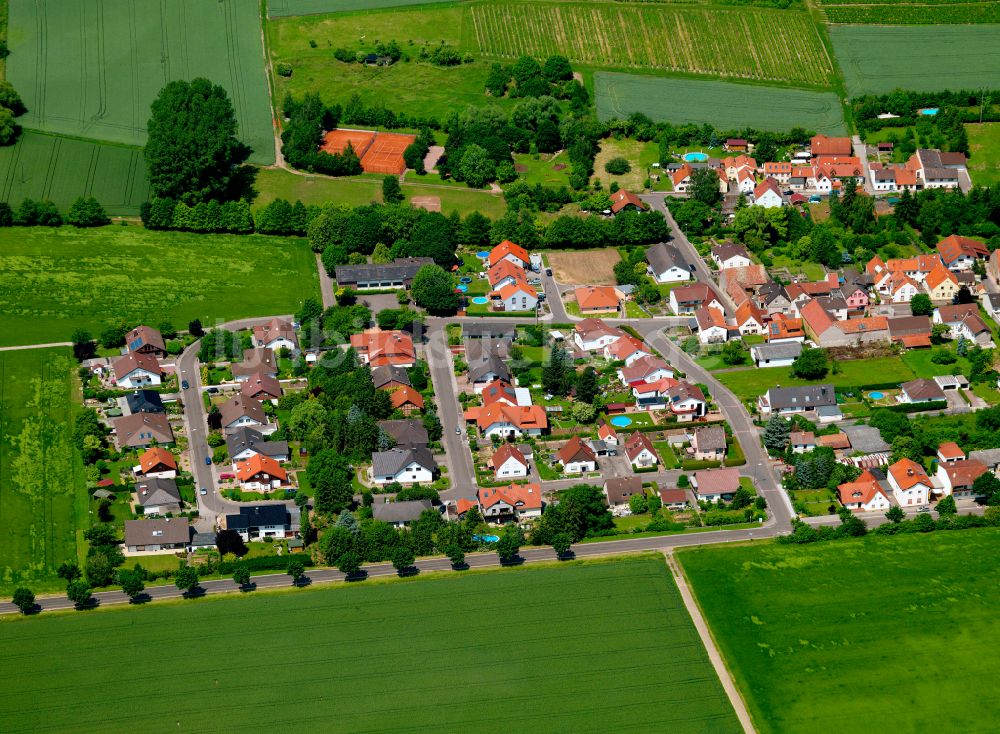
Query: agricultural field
x=750, y=383
x=910, y=12
x=984, y=145
x=274, y=183
x=622, y=679
x=723, y=104
x=284, y=8
x=878, y=59
x=55, y=280
x=92, y=69
x=43, y=501
x=817, y=639
x=42, y=166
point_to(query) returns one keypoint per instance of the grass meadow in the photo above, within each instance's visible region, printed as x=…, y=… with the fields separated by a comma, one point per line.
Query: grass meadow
x=398, y=656
x=724, y=104
x=55, y=280
x=284, y=8
x=43, y=501
x=910, y=12
x=42, y=166
x=92, y=69
x=878, y=59
x=869, y=635
x=984, y=145
x=749, y=383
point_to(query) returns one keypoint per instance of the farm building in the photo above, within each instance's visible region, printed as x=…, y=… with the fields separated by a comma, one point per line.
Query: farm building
x=379, y=152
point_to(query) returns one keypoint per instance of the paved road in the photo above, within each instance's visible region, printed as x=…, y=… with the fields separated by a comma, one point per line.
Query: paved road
x=861, y=153
x=325, y=284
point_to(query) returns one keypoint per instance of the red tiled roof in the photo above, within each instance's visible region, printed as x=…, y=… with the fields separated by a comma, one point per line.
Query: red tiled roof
x=507, y=248
x=909, y=473
x=406, y=395
x=156, y=456
x=260, y=464
x=622, y=198
x=505, y=452
x=596, y=298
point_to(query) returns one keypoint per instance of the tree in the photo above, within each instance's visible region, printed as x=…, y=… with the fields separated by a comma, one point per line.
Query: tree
x=946, y=507
x=476, y=167
x=776, y=434
x=895, y=514
x=296, y=568
x=905, y=447
x=557, y=69
x=78, y=592
x=583, y=412
x=8, y=127
x=734, y=353
x=23, y=599
x=87, y=212
x=920, y=305
x=69, y=570
x=350, y=564
x=455, y=554
x=392, y=192
x=705, y=187
x=131, y=583
x=186, y=579
x=192, y=152
x=637, y=504
x=555, y=373
x=241, y=576
x=509, y=544
x=10, y=99
x=402, y=559
x=987, y=485
x=618, y=166
x=230, y=541
x=810, y=365
x=83, y=344
x=195, y=328
x=561, y=543
x=329, y=475
x=434, y=290
x=586, y=386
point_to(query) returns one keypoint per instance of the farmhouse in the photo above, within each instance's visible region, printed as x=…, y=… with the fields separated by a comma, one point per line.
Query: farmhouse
x=712, y=485
x=941, y=284
x=156, y=462
x=157, y=496
x=666, y=264
x=142, y=429
x=784, y=329
x=164, y=535
x=749, y=319
x=595, y=299
x=827, y=332
x=145, y=340
x=275, y=334
x=502, y=504
x=577, y=457
x=404, y=465
x=382, y=348
x=619, y=490
x=397, y=274
x=937, y=170
x=137, y=369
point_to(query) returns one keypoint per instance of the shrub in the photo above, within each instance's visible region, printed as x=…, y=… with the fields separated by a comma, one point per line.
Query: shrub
x=618, y=166
x=283, y=68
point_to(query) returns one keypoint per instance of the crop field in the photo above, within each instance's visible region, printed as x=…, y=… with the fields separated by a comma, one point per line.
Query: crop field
x=911, y=12
x=91, y=69
x=42, y=494
x=284, y=8
x=745, y=43
x=861, y=636
x=723, y=104
x=55, y=280
x=41, y=166
x=876, y=60
x=571, y=664
x=984, y=145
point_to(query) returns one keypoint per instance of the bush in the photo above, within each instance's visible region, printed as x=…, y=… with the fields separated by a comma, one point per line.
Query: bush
x=263, y=563
x=283, y=68
x=618, y=166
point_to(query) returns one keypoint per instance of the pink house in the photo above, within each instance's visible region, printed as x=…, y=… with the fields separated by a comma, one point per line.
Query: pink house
x=856, y=297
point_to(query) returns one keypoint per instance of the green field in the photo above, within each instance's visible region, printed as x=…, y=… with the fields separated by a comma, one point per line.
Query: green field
x=42, y=498
x=984, y=145
x=92, y=68
x=750, y=383
x=911, y=12
x=273, y=183
x=41, y=166
x=876, y=60
x=872, y=635
x=283, y=8
x=400, y=657
x=54, y=280
x=724, y=104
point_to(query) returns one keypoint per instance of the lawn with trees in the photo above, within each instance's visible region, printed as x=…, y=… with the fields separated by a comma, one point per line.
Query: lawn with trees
x=355, y=633
x=803, y=628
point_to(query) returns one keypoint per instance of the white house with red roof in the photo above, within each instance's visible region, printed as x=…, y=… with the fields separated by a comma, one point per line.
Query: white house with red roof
x=607, y=433
x=649, y=368
x=500, y=419
x=384, y=348
x=686, y=401
x=507, y=250
x=593, y=334
x=137, y=369
x=627, y=349
x=508, y=461
x=275, y=334
x=712, y=327
x=640, y=452
x=518, y=296
x=577, y=457
x=261, y=473
x=910, y=484
x=864, y=494
x=500, y=504
x=505, y=272
x=767, y=194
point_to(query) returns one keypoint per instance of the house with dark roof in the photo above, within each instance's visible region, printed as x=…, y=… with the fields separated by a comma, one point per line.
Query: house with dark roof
x=157, y=496
x=486, y=362
x=256, y=522
x=257, y=361
x=163, y=535
x=689, y=298
x=146, y=340
x=490, y=329
x=910, y=331
x=709, y=443
x=409, y=465
x=730, y=255
x=246, y=441
x=666, y=264
x=142, y=429
x=144, y=401
x=400, y=514
x=389, y=377
x=776, y=354
x=963, y=321
x=920, y=391
x=619, y=490
x=240, y=411
x=397, y=274
x=406, y=432
x=261, y=387
x=275, y=334
x=137, y=369
x=640, y=452
x=805, y=399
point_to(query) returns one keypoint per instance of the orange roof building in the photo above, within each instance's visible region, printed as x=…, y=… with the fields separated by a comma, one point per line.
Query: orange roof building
x=407, y=399
x=508, y=250
x=157, y=459
x=821, y=146
x=520, y=500
x=958, y=251
x=384, y=348
x=783, y=328
x=504, y=420
x=597, y=298
x=504, y=270
x=907, y=474
x=260, y=469
x=864, y=494
x=622, y=199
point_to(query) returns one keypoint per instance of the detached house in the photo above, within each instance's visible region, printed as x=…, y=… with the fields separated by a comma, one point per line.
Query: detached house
x=577, y=457
x=864, y=494
x=768, y=195
x=157, y=463
x=404, y=465
x=749, y=319
x=506, y=421
x=957, y=477
x=712, y=485
x=640, y=452
x=666, y=264
x=508, y=461
x=941, y=284
x=910, y=484
x=261, y=387
x=256, y=522
x=689, y=298
x=261, y=473
x=963, y=321
x=786, y=401
x=485, y=358
x=407, y=400
x=165, y=535
x=137, y=369
x=275, y=334
x=257, y=361
x=503, y=504
x=623, y=200
x=593, y=334
x=645, y=369
x=516, y=296
x=712, y=327
x=140, y=430
x=507, y=250
x=245, y=443
x=627, y=349
x=920, y=391
x=620, y=490
x=157, y=496
x=686, y=401
x=400, y=514
x=382, y=348
x=730, y=255
x=709, y=443
x=594, y=299
x=802, y=441
x=240, y=411
x=959, y=253
x=145, y=340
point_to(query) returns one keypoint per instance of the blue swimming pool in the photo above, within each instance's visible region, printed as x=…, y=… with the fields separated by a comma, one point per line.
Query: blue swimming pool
x=929, y=111
x=621, y=421
x=465, y=279
x=486, y=538
x=695, y=157
x=876, y=395
x=462, y=287
x=480, y=300
x=483, y=254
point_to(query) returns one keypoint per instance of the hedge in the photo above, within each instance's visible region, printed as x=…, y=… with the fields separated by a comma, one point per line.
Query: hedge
x=695, y=464
x=915, y=407
x=265, y=563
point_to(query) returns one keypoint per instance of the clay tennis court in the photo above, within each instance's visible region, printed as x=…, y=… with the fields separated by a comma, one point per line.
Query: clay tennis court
x=590, y=267
x=379, y=152
x=336, y=141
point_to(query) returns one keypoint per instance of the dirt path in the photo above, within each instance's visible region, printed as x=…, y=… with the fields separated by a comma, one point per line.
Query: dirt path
x=713, y=652
x=36, y=346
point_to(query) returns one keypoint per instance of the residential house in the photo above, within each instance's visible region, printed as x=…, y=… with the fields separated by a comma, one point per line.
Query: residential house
x=920, y=391
x=675, y=500
x=508, y=461
x=502, y=504
x=713, y=485
x=645, y=369
x=607, y=433
x=823, y=147
x=959, y=253
x=245, y=442
x=733, y=166
x=741, y=282
x=256, y=522
x=864, y=494
x=627, y=349
x=517, y=296
x=681, y=178
x=686, y=401
x=963, y=321
x=839, y=442
x=400, y=514
x=507, y=250
x=623, y=200
x=784, y=329
x=261, y=473
x=989, y=457
x=949, y=451
x=145, y=340
x=257, y=361
x=389, y=377
x=144, y=401
x=749, y=319
x=730, y=255
x=505, y=272
x=652, y=395
x=957, y=477
x=778, y=354
x=689, y=298
x=593, y=334
x=381, y=348
x=937, y=170
x=910, y=484
x=712, y=327
x=993, y=266
x=141, y=430
x=577, y=457
x=709, y=443
x=910, y=331
x=805, y=399
x=991, y=302
x=485, y=358
x=406, y=400
x=137, y=369
x=397, y=274
x=157, y=496
x=735, y=145
x=406, y=432
x=666, y=264
x=408, y=465
x=780, y=171
x=276, y=334
x=640, y=452
x=506, y=421
x=941, y=284
x=827, y=332
x=261, y=387
x=619, y=490
x=491, y=329
x=156, y=463
x=767, y=194
x=163, y=535
x=593, y=299
x=500, y=391
x=241, y=411
x=802, y=441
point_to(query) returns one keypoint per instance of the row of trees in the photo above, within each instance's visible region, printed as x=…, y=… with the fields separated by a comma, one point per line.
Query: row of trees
x=83, y=212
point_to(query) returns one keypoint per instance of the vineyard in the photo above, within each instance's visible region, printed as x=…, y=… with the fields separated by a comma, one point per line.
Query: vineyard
x=92, y=69
x=723, y=104
x=876, y=60
x=745, y=43
x=896, y=12
x=41, y=166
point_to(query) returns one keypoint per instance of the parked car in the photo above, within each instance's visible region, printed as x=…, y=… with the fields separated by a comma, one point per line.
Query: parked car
x=213, y=390
x=548, y=271
x=204, y=491
x=184, y=385
x=227, y=475
x=208, y=461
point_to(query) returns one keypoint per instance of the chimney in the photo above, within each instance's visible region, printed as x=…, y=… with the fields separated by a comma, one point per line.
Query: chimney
x=909, y=472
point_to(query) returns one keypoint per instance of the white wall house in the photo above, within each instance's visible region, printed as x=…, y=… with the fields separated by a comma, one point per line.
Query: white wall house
x=411, y=473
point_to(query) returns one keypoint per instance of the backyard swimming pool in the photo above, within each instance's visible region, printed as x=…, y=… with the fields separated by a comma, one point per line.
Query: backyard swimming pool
x=462, y=287
x=929, y=111
x=621, y=421
x=480, y=300
x=483, y=254
x=876, y=395
x=695, y=157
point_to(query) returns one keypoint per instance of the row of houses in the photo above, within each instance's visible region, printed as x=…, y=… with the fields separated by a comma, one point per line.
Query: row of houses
x=508, y=265
x=173, y=535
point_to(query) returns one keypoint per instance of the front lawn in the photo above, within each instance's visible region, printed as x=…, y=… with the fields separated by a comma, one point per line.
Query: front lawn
x=750, y=383
x=919, y=360
x=667, y=454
